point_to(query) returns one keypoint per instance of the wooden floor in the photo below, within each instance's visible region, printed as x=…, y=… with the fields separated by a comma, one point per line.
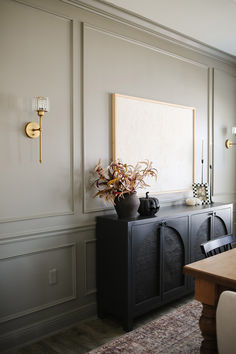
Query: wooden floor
x=90, y=334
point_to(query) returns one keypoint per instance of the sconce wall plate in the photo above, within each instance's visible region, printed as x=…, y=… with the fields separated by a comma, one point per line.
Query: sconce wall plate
x=32, y=130
x=229, y=143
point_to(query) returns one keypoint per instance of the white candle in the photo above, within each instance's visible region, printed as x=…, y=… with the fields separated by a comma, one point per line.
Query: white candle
x=202, y=148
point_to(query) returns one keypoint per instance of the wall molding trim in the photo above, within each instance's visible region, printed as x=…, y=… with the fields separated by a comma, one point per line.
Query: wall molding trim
x=41, y=216
x=88, y=291
x=49, y=232
x=113, y=12
x=145, y=45
x=52, y=325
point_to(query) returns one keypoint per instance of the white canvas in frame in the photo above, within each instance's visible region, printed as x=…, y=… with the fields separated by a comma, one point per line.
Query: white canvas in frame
x=160, y=132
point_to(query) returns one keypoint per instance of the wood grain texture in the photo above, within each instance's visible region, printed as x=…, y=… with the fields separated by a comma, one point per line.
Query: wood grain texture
x=220, y=269
x=205, y=292
x=207, y=324
x=212, y=276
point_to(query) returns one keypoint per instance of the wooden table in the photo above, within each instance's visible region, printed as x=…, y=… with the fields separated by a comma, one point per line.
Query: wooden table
x=212, y=276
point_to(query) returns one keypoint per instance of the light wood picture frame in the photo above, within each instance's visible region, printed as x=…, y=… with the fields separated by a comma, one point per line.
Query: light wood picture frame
x=164, y=133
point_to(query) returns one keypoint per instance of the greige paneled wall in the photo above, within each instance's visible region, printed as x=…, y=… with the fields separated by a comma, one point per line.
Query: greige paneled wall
x=135, y=69
x=47, y=214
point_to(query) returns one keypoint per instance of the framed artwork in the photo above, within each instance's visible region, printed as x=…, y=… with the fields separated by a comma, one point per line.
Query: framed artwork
x=164, y=133
x=201, y=191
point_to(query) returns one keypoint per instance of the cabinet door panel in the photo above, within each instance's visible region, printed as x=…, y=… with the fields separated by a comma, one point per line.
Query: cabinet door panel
x=146, y=262
x=200, y=232
x=222, y=223
x=174, y=260
x=175, y=255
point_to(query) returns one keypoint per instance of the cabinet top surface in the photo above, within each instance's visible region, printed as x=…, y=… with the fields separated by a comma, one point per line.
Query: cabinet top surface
x=170, y=211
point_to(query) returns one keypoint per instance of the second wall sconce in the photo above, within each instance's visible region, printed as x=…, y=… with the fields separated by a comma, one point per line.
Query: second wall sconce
x=34, y=130
x=229, y=143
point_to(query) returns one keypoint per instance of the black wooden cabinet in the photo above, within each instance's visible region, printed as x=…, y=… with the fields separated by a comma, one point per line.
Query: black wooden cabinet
x=140, y=261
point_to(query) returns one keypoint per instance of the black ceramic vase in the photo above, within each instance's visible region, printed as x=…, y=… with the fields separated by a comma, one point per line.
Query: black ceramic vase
x=127, y=207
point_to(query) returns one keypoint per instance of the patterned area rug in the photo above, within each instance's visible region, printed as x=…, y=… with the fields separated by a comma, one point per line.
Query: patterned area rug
x=174, y=333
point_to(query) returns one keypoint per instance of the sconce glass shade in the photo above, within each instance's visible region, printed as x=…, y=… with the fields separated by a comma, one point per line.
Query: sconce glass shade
x=40, y=104
x=234, y=130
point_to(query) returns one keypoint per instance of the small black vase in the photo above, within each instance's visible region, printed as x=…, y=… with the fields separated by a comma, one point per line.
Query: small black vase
x=127, y=207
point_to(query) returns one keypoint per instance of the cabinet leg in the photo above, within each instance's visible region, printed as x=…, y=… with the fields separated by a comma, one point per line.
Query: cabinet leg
x=207, y=324
x=100, y=312
x=128, y=325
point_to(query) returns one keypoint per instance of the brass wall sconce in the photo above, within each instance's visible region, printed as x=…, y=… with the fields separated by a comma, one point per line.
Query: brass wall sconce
x=229, y=143
x=34, y=130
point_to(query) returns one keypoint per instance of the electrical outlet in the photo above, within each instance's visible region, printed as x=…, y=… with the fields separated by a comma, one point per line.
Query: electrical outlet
x=52, y=276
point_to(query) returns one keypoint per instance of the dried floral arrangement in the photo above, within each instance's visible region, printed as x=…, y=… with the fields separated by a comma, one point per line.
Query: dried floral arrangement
x=118, y=179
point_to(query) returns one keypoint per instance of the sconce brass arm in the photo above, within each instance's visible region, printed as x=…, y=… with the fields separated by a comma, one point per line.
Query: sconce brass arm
x=40, y=137
x=34, y=130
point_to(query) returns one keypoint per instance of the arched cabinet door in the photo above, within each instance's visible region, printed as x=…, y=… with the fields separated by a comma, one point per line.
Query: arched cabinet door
x=175, y=250
x=201, y=226
x=207, y=226
x=146, y=257
x=221, y=222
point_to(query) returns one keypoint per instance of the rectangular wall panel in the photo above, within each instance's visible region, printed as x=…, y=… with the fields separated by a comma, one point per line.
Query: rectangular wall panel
x=135, y=69
x=36, y=57
x=37, y=280
x=224, y=160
